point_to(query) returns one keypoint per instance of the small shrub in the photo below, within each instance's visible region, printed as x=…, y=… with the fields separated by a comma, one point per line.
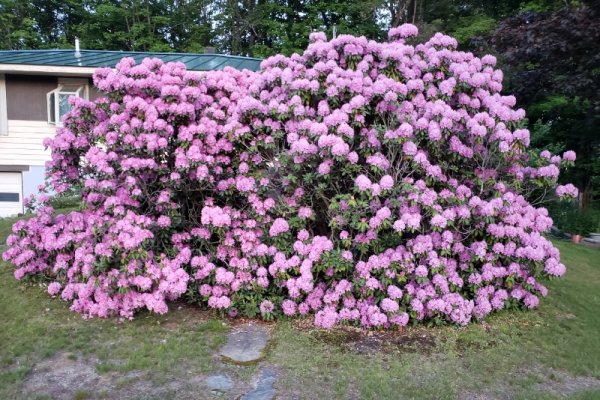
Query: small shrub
x=72, y=201
x=570, y=218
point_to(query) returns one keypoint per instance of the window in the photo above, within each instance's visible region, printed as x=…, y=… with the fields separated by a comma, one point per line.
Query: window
x=58, y=101
x=9, y=197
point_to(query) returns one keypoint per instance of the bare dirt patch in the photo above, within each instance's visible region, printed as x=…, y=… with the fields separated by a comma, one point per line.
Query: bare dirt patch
x=66, y=376
x=62, y=377
x=184, y=314
x=369, y=342
x=566, y=385
x=556, y=383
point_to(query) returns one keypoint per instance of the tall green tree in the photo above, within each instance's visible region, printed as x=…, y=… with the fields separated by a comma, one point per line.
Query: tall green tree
x=18, y=25
x=124, y=25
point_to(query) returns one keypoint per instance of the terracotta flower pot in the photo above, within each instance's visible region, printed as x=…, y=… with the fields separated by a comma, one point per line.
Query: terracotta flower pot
x=575, y=238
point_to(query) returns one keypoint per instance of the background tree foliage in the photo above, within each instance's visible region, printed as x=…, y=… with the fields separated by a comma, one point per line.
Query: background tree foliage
x=552, y=61
x=246, y=27
x=549, y=49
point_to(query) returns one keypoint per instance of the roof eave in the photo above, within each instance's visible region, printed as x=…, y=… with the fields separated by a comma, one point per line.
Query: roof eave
x=56, y=70
x=46, y=70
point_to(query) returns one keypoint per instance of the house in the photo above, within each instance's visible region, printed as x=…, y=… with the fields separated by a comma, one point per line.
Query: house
x=34, y=88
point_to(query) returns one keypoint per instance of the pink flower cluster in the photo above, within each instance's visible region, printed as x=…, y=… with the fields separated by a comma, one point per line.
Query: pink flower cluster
x=365, y=183
x=568, y=190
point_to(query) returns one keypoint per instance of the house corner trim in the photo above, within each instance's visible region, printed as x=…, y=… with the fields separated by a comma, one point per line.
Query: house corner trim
x=3, y=106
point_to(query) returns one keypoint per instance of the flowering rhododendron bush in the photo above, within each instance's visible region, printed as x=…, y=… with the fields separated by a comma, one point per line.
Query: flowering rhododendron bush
x=361, y=182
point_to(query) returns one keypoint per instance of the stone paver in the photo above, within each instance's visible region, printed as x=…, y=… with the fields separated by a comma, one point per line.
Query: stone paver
x=245, y=344
x=264, y=389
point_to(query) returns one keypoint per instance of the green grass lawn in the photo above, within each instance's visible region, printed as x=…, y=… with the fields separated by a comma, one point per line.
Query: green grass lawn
x=550, y=353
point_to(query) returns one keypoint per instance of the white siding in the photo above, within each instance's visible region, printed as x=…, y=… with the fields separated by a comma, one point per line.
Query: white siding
x=24, y=143
x=11, y=184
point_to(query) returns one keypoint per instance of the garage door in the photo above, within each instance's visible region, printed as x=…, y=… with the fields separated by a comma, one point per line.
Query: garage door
x=11, y=193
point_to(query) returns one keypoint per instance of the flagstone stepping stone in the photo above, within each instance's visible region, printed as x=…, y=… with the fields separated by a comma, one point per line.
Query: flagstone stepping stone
x=245, y=344
x=219, y=383
x=264, y=389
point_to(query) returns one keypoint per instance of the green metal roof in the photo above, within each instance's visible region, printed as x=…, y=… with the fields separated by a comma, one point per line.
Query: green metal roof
x=103, y=58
